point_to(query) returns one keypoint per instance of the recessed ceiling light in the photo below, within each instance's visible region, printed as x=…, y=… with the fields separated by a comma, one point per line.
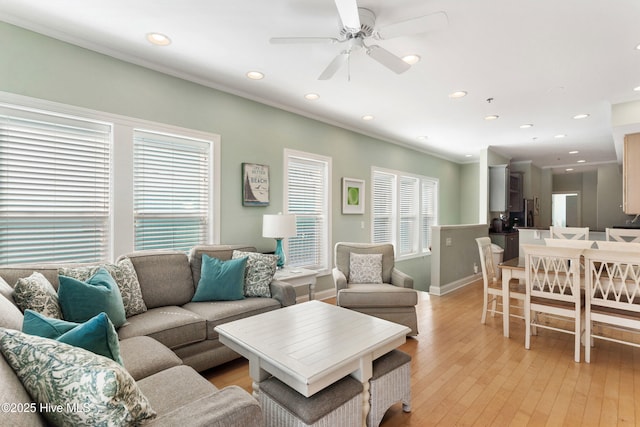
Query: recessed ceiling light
x=458, y=94
x=423, y=138
x=158, y=39
x=569, y=169
x=581, y=116
x=581, y=161
x=560, y=135
x=526, y=126
x=638, y=47
x=491, y=117
x=255, y=75
x=468, y=155
x=312, y=96
x=367, y=117
x=411, y=59
x=637, y=88
x=574, y=152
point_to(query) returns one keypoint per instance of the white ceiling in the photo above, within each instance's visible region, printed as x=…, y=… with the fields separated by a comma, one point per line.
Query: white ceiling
x=541, y=61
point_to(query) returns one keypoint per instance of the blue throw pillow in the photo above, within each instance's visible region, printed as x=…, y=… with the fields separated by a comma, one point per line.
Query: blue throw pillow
x=80, y=301
x=220, y=280
x=96, y=334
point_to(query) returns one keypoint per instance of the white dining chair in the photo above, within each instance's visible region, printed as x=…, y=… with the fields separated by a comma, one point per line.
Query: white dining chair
x=618, y=246
x=493, y=286
x=612, y=302
x=567, y=243
x=553, y=290
x=630, y=235
x=571, y=233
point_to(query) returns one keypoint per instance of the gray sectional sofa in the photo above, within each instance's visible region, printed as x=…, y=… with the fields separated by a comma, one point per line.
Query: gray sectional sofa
x=164, y=346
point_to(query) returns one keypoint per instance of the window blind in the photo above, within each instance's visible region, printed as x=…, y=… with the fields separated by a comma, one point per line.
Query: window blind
x=307, y=198
x=383, y=194
x=428, y=211
x=408, y=206
x=171, y=191
x=54, y=187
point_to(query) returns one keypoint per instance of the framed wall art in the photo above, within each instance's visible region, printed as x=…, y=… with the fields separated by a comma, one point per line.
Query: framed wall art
x=352, y=196
x=255, y=184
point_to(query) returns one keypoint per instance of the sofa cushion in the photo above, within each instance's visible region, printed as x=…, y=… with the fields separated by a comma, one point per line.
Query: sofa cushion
x=259, y=273
x=6, y=290
x=37, y=294
x=96, y=334
x=219, y=312
x=222, y=252
x=365, y=268
x=144, y=356
x=10, y=316
x=55, y=373
x=376, y=295
x=164, y=276
x=125, y=276
x=13, y=392
x=172, y=326
x=81, y=300
x=221, y=280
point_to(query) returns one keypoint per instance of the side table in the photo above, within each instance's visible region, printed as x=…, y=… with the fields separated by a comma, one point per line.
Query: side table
x=297, y=277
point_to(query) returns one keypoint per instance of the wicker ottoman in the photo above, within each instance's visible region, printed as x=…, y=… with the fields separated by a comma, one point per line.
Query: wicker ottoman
x=337, y=405
x=390, y=383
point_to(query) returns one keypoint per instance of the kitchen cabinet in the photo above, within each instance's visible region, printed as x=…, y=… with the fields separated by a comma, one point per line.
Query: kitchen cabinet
x=631, y=174
x=499, y=188
x=516, y=200
x=509, y=241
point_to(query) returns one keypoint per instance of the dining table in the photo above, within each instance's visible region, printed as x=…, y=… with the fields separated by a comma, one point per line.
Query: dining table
x=511, y=269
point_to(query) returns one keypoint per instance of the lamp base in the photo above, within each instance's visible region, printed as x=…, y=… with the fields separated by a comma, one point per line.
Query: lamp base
x=280, y=253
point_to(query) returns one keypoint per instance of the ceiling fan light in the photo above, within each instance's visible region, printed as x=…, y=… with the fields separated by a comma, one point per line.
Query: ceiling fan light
x=411, y=59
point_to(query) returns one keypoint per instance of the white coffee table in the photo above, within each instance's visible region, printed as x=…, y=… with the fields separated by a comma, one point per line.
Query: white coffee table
x=310, y=346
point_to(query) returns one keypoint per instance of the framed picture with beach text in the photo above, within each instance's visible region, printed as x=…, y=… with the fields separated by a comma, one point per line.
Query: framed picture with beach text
x=352, y=196
x=255, y=184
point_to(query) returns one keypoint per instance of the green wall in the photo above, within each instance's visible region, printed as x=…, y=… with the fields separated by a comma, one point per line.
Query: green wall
x=41, y=67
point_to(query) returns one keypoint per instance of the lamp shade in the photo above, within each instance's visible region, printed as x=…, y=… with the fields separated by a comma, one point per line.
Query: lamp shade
x=279, y=226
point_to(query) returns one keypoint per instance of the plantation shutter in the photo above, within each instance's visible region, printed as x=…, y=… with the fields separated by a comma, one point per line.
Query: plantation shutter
x=383, y=190
x=171, y=191
x=307, y=184
x=408, y=204
x=428, y=211
x=54, y=187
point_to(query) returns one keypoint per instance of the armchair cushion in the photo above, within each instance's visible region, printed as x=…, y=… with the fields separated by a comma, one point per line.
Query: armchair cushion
x=376, y=295
x=365, y=268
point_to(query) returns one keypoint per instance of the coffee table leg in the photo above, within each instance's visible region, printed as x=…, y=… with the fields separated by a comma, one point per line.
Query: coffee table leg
x=257, y=375
x=363, y=375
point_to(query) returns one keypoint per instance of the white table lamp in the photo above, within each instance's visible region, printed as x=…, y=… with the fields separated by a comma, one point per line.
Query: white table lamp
x=278, y=227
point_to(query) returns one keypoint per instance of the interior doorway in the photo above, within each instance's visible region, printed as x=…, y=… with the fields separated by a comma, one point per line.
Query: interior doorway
x=565, y=210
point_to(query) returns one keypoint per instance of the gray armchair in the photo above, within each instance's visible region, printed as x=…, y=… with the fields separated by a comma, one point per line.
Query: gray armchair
x=394, y=299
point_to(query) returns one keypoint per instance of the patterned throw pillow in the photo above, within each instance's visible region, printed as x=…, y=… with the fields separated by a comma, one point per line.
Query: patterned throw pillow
x=37, y=294
x=365, y=268
x=259, y=273
x=86, y=388
x=125, y=276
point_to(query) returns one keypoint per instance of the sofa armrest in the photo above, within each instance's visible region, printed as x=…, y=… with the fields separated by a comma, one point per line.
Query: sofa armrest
x=283, y=292
x=339, y=279
x=231, y=406
x=400, y=279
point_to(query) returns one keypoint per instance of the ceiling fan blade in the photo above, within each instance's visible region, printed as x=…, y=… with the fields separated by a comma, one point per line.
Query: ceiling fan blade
x=348, y=11
x=388, y=59
x=421, y=24
x=334, y=66
x=304, y=40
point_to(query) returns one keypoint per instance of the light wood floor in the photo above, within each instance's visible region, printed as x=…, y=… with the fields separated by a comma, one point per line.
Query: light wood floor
x=465, y=373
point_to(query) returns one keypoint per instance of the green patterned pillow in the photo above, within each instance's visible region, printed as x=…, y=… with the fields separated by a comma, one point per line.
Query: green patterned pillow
x=37, y=294
x=125, y=276
x=259, y=273
x=81, y=388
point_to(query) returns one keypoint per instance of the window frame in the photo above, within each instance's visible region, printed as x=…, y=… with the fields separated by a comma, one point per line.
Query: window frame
x=419, y=210
x=121, y=238
x=325, y=255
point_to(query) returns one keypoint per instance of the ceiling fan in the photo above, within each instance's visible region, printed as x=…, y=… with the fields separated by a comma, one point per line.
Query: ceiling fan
x=357, y=24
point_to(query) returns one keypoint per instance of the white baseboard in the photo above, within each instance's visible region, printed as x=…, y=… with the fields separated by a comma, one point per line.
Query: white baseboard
x=450, y=287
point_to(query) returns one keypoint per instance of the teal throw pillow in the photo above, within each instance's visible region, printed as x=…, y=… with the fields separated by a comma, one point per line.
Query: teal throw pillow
x=96, y=334
x=220, y=280
x=80, y=301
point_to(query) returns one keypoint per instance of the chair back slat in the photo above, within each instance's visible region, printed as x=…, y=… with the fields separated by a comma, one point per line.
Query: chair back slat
x=622, y=235
x=571, y=233
x=553, y=272
x=613, y=279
